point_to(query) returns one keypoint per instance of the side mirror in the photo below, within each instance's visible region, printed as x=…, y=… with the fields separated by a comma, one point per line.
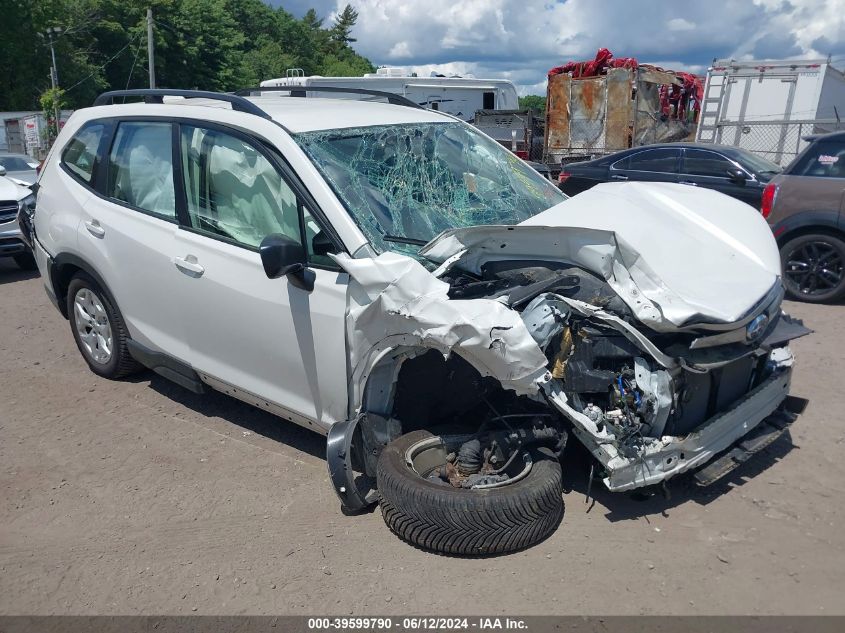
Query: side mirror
x=737, y=176
x=321, y=244
x=2, y=170
x=282, y=256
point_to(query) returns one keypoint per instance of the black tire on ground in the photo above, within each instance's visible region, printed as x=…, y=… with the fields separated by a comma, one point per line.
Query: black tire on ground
x=120, y=363
x=26, y=261
x=822, y=256
x=468, y=522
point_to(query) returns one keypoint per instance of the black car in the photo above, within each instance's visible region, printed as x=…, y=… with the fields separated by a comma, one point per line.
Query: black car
x=731, y=170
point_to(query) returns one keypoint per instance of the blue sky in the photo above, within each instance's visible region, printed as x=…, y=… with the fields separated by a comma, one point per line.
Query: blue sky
x=520, y=40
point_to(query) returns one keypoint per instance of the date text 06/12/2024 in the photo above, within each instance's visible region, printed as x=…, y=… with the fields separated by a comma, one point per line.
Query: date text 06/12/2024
x=416, y=624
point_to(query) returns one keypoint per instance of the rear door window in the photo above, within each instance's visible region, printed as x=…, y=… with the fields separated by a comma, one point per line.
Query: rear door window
x=80, y=154
x=699, y=162
x=824, y=159
x=654, y=160
x=141, y=167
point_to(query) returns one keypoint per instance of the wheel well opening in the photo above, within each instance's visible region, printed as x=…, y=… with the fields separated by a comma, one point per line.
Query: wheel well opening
x=809, y=230
x=432, y=391
x=61, y=280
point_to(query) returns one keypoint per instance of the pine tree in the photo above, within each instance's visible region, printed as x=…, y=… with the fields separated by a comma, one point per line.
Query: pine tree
x=312, y=20
x=341, y=31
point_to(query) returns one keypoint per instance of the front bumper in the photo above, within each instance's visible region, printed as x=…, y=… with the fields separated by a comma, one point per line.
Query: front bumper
x=669, y=456
x=11, y=239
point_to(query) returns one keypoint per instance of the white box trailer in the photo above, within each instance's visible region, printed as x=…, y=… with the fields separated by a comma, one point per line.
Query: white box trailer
x=459, y=96
x=768, y=106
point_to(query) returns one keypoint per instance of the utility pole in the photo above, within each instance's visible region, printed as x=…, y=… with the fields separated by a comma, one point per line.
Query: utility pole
x=151, y=48
x=54, y=69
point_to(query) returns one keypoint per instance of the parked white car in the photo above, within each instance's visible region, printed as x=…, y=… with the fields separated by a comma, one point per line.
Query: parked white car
x=390, y=277
x=13, y=196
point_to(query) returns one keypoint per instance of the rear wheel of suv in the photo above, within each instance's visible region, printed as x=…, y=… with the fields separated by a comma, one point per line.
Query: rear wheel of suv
x=98, y=329
x=813, y=268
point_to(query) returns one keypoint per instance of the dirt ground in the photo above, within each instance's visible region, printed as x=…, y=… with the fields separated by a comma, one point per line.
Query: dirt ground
x=138, y=497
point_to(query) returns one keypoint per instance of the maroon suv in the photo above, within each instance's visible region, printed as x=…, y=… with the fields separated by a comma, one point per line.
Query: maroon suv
x=805, y=206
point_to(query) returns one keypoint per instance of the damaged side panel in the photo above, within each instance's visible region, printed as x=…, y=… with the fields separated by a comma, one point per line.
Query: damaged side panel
x=395, y=302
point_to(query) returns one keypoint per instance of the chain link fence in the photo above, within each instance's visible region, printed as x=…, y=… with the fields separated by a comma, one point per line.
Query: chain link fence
x=778, y=141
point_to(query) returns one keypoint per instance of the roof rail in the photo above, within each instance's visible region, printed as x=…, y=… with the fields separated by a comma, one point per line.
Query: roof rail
x=156, y=95
x=391, y=98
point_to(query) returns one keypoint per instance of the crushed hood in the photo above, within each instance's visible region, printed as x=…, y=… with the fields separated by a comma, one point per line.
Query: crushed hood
x=677, y=255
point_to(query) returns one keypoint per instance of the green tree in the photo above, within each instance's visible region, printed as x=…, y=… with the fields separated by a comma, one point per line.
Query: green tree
x=208, y=44
x=342, y=29
x=533, y=102
x=52, y=103
x=312, y=20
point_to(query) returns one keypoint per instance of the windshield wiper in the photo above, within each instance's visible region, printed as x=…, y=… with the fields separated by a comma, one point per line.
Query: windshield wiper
x=404, y=240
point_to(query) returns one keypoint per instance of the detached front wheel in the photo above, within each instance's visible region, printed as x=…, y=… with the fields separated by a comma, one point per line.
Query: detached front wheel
x=488, y=517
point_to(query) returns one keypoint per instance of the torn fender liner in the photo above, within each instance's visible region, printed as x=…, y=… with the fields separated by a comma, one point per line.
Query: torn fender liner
x=649, y=241
x=353, y=489
x=395, y=302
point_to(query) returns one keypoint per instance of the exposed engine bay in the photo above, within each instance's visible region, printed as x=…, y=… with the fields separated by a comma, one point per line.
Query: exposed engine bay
x=634, y=403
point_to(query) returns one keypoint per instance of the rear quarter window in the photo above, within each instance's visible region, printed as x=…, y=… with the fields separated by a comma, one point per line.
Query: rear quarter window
x=80, y=154
x=824, y=159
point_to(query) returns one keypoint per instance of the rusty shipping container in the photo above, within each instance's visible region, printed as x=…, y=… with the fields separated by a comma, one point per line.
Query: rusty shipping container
x=591, y=116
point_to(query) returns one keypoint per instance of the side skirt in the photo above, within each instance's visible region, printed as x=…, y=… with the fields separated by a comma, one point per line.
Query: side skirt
x=261, y=403
x=177, y=371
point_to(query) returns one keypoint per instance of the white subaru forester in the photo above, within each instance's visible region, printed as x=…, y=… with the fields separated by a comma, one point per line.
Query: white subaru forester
x=391, y=277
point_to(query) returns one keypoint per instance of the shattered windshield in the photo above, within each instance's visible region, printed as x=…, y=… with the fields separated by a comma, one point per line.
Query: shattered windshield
x=404, y=184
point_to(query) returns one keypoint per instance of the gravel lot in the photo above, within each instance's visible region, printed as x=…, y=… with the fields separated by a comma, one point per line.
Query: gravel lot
x=138, y=497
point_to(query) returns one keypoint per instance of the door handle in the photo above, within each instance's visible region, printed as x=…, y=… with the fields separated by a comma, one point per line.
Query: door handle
x=95, y=229
x=619, y=177
x=189, y=265
x=688, y=182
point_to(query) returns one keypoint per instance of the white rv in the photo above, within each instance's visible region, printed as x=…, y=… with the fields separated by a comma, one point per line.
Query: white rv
x=768, y=106
x=459, y=96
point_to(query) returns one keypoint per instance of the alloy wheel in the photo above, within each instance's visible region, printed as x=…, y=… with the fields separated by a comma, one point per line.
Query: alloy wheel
x=813, y=268
x=93, y=326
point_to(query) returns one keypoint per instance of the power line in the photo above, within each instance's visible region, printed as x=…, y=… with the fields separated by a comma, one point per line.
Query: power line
x=106, y=63
x=134, y=60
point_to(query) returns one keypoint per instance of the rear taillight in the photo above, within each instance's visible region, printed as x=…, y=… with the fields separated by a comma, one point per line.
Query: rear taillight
x=522, y=154
x=768, y=200
x=563, y=176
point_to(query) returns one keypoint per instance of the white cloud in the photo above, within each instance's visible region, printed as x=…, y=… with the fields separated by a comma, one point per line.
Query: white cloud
x=521, y=40
x=680, y=24
x=400, y=50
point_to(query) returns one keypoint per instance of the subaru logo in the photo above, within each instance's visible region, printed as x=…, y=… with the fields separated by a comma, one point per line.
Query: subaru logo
x=754, y=329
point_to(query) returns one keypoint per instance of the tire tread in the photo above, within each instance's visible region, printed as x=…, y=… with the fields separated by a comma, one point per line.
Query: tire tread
x=462, y=522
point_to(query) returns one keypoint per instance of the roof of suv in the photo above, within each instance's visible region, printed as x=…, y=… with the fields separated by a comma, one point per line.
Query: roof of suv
x=307, y=114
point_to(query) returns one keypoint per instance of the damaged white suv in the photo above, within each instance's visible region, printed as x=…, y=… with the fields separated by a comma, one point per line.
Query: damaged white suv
x=390, y=277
